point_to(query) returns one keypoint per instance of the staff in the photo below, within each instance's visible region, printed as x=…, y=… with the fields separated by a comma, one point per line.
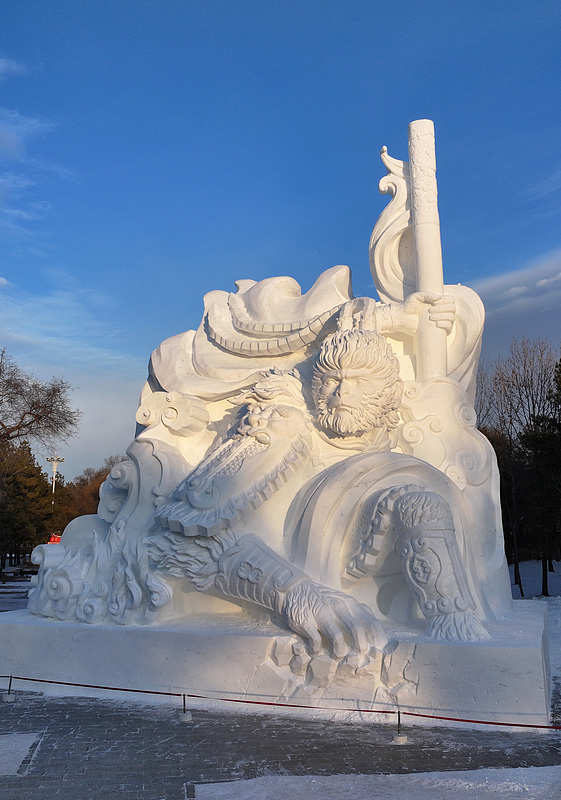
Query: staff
x=431, y=347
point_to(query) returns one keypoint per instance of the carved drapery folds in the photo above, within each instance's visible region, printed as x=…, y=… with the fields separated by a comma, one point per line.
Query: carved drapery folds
x=100, y=572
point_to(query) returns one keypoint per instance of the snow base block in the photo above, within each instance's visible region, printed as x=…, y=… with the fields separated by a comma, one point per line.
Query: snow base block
x=504, y=679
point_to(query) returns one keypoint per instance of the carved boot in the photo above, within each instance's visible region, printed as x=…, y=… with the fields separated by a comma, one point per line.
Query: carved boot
x=433, y=567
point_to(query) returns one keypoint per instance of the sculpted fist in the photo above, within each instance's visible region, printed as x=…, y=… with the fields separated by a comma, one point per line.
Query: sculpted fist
x=442, y=310
x=316, y=612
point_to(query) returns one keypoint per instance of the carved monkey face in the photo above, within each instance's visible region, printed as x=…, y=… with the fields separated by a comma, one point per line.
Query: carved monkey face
x=355, y=384
x=345, y=401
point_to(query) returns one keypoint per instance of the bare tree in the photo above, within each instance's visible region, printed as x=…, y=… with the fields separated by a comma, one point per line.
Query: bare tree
x=515, y=393
x=484, y=400
x=516, y=390
x=31, y=409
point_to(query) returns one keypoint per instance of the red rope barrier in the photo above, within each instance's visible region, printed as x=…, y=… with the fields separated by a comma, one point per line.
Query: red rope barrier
x=283, y=705
x=197, y=696
x=92, y=686
x=485, y=722
x=290, y=705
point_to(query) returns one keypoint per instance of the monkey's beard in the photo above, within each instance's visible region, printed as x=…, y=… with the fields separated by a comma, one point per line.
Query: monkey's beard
x=350, y=422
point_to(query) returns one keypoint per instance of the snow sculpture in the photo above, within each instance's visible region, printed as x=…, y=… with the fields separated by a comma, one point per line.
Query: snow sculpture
x=311, y=460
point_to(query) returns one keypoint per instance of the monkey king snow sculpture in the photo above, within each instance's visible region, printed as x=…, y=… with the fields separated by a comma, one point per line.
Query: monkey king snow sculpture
x=311, y=460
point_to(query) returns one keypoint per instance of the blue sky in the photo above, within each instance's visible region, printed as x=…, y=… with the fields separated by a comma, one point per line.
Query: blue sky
x=153, y=150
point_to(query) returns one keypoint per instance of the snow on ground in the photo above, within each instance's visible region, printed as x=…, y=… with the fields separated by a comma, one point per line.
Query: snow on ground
x=531, y=575
x=13, y=595
x=532, y=783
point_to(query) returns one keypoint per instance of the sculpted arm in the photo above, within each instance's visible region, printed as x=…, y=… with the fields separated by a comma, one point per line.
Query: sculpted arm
x=246, y=568
x=200, y=542
x=399, y=317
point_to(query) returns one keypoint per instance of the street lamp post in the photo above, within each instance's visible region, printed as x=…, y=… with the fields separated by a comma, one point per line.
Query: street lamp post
x=54, y=461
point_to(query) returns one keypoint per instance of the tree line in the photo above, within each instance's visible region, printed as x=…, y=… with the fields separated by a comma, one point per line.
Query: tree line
x=519, y=410
x=37, y=412
x=30, y=512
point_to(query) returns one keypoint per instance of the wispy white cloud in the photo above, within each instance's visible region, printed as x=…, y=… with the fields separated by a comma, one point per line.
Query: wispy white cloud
x=43, y=166
x=67, y=325
x=72, y=332
x=21, y=183
x=546, y=186
x=12, y=183
x=9, y=67
x=523, y=303
x=16, y=129
x=23, y=172
x=522, y=287
x=545, y=282
x=514, y=291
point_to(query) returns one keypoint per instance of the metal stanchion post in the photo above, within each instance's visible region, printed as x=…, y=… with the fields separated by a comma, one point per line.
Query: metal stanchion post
x=186, y=716
x=9, y=697
x=399, y=737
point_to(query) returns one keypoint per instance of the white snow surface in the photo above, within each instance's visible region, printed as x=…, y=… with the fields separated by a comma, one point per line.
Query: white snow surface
x=531, y=783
